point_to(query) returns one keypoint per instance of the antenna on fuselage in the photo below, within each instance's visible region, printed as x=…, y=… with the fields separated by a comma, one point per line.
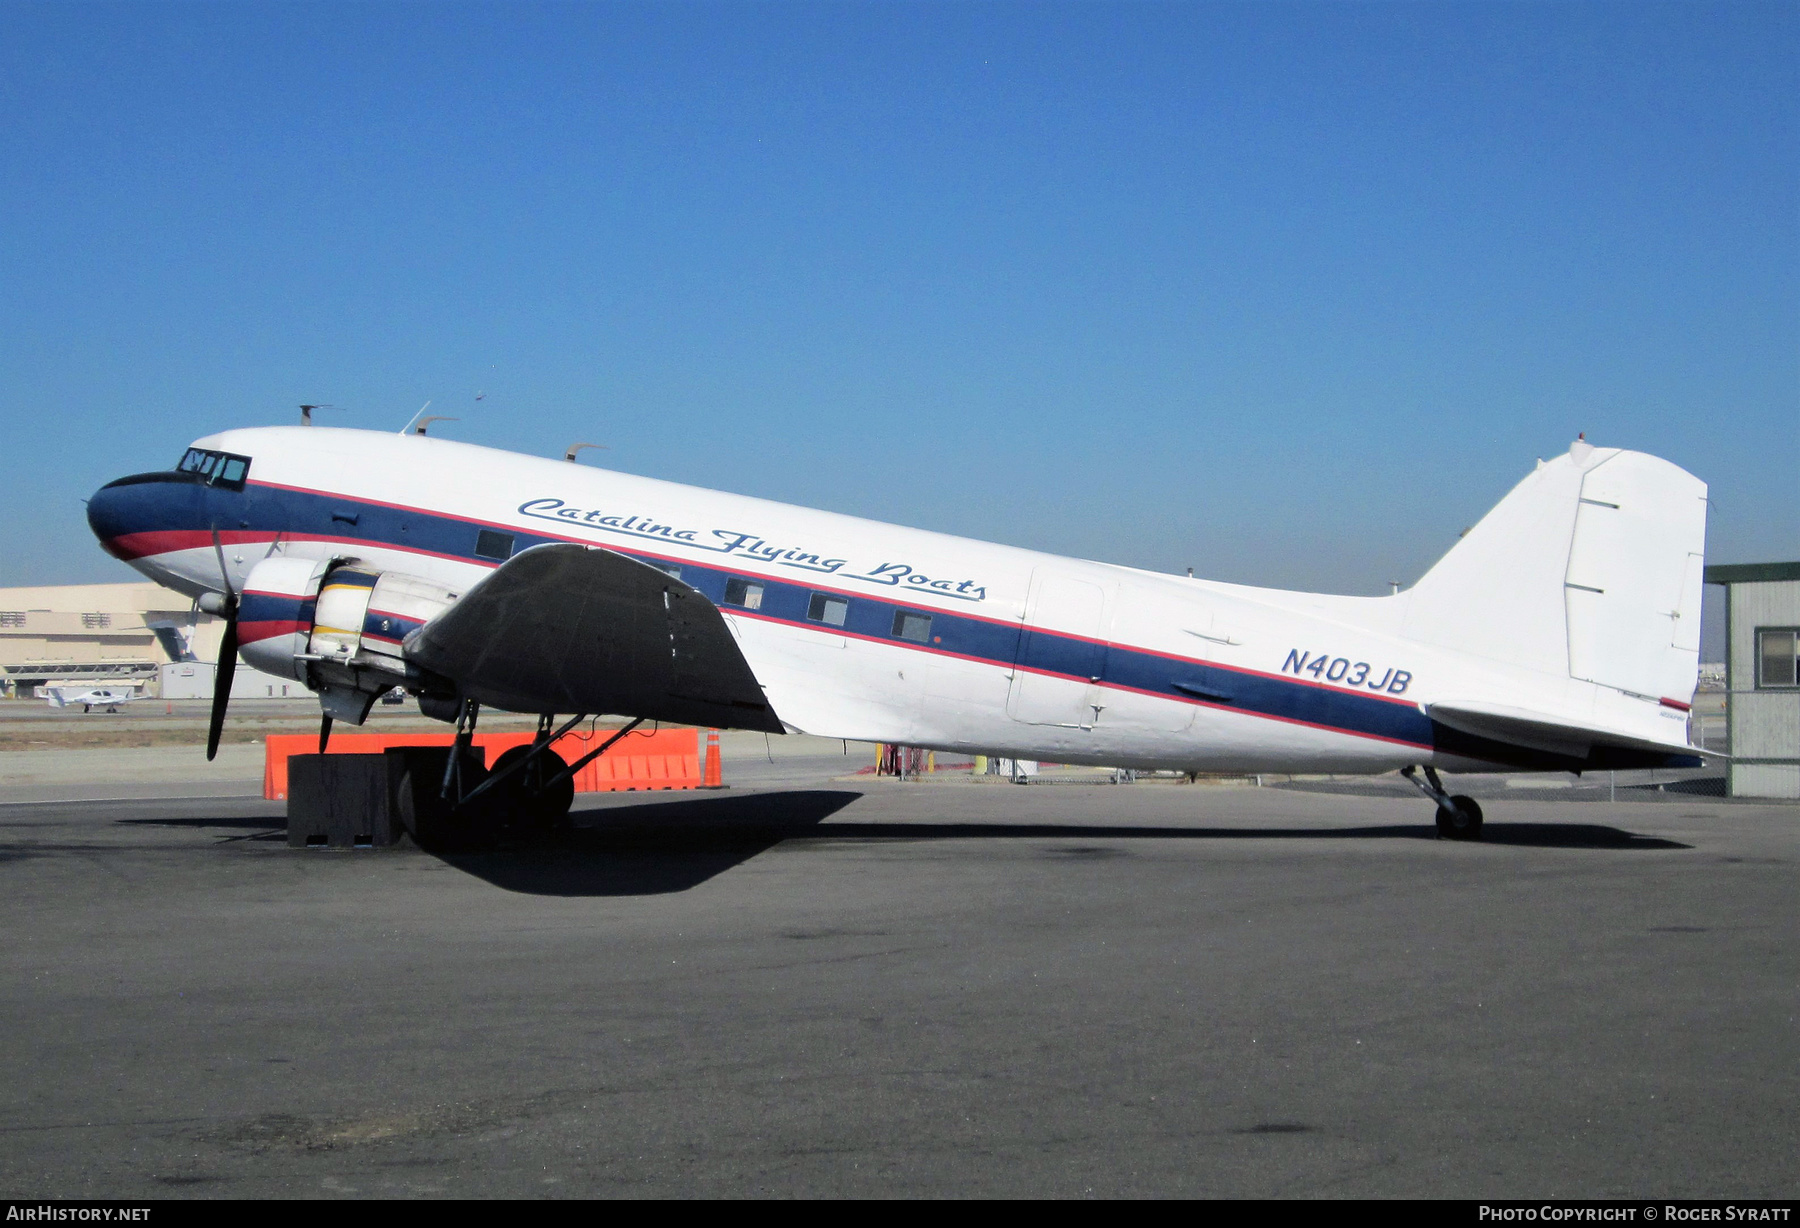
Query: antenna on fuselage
x=306, y=412
x=414, y=418
x=425, y=422
x=576, y=447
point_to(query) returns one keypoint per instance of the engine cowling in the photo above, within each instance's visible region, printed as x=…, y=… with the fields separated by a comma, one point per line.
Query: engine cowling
x=275, y=614
x=338, y=626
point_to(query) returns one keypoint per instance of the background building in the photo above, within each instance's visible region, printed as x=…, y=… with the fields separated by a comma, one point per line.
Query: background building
x=1762, y=669
x=98, y=632
x=140, y=633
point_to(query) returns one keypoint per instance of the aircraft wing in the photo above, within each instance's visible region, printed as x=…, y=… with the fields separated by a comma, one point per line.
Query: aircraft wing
x=568, y=628
x=1544, y=732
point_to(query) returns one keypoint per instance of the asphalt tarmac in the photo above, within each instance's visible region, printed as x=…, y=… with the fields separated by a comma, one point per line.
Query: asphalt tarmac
x=866, y=988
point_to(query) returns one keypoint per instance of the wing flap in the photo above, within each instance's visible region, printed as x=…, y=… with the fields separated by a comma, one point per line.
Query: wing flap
x=568, y=628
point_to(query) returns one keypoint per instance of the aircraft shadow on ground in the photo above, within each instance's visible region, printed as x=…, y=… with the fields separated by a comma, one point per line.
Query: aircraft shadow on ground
x=657, y=847
x=666, y=846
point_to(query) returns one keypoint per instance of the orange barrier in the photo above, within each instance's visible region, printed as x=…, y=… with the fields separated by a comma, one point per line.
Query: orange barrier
x=663, y=759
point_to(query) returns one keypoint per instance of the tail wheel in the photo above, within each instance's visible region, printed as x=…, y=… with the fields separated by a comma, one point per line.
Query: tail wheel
x=1462, y=823
x=531, y=807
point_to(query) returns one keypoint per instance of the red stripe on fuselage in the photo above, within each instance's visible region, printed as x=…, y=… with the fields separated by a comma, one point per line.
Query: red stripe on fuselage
x=915, y=646
x=129, y=546
x=158, y=542
x=731, y=564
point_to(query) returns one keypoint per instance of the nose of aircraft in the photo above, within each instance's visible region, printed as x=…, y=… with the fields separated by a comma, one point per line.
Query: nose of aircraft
x=124, y=514
x=109, y=516
x=146, y=515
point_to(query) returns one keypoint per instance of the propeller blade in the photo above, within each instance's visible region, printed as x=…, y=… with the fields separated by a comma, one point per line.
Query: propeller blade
x=227, y=654
x=324, y=731
x=222, y=682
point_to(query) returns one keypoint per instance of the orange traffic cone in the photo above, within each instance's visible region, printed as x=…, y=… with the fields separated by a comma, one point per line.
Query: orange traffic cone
x=715, y=771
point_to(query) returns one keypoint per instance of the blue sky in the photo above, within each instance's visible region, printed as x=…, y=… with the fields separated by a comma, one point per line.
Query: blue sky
x=1289, y=293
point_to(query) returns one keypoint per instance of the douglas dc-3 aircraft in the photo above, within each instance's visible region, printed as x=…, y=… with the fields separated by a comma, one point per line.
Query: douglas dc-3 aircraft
x=1561, y=633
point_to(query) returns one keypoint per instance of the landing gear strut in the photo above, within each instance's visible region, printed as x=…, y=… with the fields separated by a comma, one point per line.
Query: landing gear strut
x=526, y=793
x=434, y=804
x=529, y=789
x=1458, y=817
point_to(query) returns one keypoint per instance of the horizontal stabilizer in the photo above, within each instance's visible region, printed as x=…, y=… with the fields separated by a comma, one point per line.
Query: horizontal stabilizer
x=1541, y=731
x=567, y=628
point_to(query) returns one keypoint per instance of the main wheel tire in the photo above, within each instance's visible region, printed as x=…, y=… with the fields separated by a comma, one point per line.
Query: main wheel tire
x=526, y=806
x=435, y=824
x=419, y=808
x=554, y=803
x=1462, y=823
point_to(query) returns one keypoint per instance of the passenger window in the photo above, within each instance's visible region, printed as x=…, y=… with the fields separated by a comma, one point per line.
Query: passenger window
x=490, y=544
x=747, y=593
x=671, y=570
x=827, y=609
x=910, y=626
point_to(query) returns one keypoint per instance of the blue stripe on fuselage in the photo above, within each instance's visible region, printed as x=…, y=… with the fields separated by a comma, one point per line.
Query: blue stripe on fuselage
x=305, y=514
x=995, y=642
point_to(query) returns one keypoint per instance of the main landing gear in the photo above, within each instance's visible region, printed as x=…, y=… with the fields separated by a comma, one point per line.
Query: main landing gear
x=1458, y=817
x=454, y=803
x=534, y=792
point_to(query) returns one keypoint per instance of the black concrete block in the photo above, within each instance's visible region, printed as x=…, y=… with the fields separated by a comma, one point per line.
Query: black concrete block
x=340, y=801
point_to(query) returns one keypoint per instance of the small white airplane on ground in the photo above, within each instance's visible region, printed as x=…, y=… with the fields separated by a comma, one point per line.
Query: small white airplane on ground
x=68, y=694
x=1561, y=633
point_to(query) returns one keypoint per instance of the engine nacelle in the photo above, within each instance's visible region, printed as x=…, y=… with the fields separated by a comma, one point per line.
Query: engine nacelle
x=275, y=614
x=337, y=627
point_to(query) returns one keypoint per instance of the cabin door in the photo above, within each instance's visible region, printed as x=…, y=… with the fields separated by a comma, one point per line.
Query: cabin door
x=1062, y=652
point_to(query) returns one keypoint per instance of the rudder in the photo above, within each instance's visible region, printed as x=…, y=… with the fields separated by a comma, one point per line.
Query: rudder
x=1632, y=592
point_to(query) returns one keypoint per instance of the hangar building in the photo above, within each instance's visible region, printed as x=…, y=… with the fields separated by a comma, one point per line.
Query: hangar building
x=98, y=632
x=1762, y=677
x=136, y=633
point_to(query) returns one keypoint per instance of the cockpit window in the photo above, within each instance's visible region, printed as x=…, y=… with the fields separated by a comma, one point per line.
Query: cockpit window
x=216, y=468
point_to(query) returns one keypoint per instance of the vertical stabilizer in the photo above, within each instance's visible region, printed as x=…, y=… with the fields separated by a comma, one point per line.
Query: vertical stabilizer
x=1589, y=569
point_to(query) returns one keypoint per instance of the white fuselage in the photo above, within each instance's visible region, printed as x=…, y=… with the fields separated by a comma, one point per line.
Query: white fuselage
x=1025, y=654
